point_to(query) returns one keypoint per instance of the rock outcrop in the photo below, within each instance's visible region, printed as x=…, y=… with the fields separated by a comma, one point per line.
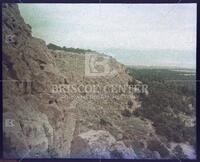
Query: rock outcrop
x=100, y=144
x=43, y=119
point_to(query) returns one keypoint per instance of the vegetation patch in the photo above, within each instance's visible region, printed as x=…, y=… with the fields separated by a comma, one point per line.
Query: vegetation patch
x=70, y=49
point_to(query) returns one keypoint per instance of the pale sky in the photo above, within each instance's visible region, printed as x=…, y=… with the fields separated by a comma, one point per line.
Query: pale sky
x=104, y=27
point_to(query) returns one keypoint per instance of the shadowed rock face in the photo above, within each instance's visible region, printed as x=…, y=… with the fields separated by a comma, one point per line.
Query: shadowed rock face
x=40, y=129
x=41, y=123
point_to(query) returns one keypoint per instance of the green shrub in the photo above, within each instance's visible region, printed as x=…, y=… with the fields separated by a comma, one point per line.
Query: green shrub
x=75, y=50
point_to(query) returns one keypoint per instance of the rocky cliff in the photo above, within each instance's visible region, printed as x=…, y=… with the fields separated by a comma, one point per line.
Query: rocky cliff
x=42, y=118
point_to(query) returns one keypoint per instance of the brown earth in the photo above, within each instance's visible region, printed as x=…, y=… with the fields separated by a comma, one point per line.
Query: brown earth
x=41, y=123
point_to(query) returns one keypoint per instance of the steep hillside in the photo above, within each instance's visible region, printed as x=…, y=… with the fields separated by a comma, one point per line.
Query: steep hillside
x=43, y=118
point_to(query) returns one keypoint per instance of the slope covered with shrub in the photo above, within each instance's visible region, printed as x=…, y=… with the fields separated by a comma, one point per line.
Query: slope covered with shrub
x=170, y=103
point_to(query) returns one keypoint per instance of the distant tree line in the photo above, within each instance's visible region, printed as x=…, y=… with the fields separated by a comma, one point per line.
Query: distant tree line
x=75, y=50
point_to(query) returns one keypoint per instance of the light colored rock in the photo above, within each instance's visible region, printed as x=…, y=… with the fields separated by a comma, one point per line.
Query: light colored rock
x=156, y=155
x=100, y=144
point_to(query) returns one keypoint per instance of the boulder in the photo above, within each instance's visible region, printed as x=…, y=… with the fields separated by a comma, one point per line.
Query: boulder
x=100, y=144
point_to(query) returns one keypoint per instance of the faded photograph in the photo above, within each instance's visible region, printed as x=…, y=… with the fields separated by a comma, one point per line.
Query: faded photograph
x=99, y=81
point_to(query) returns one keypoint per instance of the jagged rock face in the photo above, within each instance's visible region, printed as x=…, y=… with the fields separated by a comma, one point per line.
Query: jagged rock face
x=28, y=71
x=41, y=123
